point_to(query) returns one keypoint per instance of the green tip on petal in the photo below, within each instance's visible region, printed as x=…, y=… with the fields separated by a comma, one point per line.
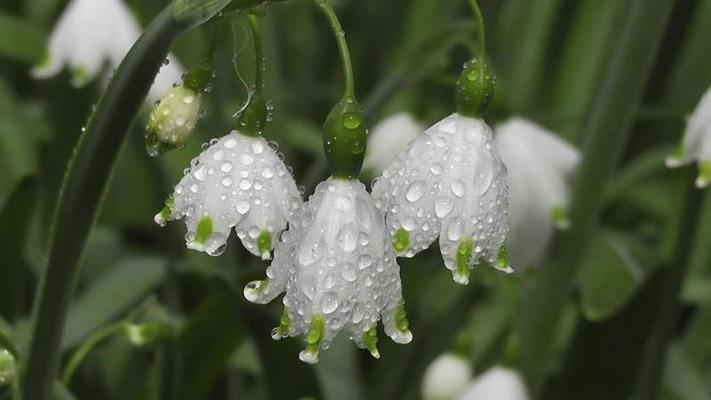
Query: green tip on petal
x=464, y=256
x=80, y=75
x=704, y=178
x=370, y=338
x=401, y=239
x=264, y=244
x=284, y=326
x=559, y=216
x=204, y=230
x=313, y=339
x=675, y=159
x=401, y=321
x=502, y=261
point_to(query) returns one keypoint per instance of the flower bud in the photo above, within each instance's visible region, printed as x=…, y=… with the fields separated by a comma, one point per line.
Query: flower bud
x=475, y=88
x=147, y=333
x=7, y=367
x=344, y=139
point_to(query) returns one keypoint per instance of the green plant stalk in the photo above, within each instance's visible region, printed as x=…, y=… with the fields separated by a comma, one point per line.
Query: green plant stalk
x=259, y=54
x=85, y=185
x=655, y=350
x=607, y=130
x=83, y=350
x=330, y=14
x=479, y=29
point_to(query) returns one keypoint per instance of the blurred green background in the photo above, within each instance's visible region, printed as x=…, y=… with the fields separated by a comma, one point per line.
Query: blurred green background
x=550, y=56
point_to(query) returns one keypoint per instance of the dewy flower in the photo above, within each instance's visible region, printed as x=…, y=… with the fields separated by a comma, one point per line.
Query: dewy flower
x=696, y=144
x=238, y=181
x=540, y=166
x=451, y=183
x=388, y=138
x=338, y=270
x=446, y=377
x=497, y=383
x=93, y=34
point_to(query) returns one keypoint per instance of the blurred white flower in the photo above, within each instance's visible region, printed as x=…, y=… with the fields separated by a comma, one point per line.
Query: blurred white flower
x=448, y=182
x=338, y=270
x=540, y=165
x=238, y=181
x=446, y=377
x=387, y=139
x=497, y=383
x=696, y=144
x=93, y=34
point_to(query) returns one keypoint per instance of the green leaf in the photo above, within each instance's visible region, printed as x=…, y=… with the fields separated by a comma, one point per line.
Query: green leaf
x=682, y=380
x=196, y=12
x=21, y=41
x=617, y=266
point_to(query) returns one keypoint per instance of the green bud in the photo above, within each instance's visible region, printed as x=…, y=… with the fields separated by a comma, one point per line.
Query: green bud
x=8, y=368
x=345, y=138
x=254, y=117
x=147, y=333
x=475, y=88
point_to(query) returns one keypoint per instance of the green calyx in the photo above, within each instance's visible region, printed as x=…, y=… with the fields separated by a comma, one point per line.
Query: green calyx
x=463, y=257
x=475, y=88
x=345, y=138
x=401, y=239
x=198, y=78
x=254, y=117
x=204, y=230
x=502, y=259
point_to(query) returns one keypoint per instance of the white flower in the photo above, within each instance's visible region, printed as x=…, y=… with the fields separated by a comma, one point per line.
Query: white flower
x=238, y=181
x=93, y=33
x=446, y=377
x=387, y=139
x=451, y=183
x=338, y=270
x=497, y=383
x=540, y=165
x=696, y=144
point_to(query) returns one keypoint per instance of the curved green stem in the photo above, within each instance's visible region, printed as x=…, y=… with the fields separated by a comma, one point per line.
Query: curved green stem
x=479, y=29
x=327, y=9
x=260, y=66
x=89, y=345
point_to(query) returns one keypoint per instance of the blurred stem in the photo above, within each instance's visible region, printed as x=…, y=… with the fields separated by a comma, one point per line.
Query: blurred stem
x=607, y=129
x=259, y=54
x=480, y=30
x=327, y=9
x=655, y=351
x=89, y=345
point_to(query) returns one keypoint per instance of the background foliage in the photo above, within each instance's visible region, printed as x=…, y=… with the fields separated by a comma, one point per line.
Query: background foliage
x=551, y=56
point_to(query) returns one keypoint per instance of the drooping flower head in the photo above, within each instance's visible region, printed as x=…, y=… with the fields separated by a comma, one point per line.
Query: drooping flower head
x=448, y=183
x=540, y=166
x=446, y=377
x=498, y=383
x=338, y=270
x=696, y=144
x=238, y=182
x=93, y=34
x=387, y=138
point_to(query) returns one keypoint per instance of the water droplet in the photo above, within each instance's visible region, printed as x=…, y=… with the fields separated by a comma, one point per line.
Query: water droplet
x=242, y=207
x=352, y=120
x=194, y=188
x=218, y=155
x=409, y=223
x=349, y=273
x=347, y=239
x=443, y=207
x=267, y=172
x=246, y=159
x=227, y=181
x=458, y=188
x=230, y=143
x=436, y=169
x=257, y=147
x=226, y=167
x=415, y=191
x=329, y=302
x=245, y=184
x=454, y=233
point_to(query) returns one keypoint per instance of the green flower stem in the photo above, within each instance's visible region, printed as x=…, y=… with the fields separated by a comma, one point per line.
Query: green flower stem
x=259, y=54
x=480, y=30
x=81, y=353
x=654, y=354
x=327, y=9
x=607, y=129
x=84, y=187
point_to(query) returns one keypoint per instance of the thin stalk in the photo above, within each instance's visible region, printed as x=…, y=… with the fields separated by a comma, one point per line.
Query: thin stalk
x=607, y=130
x=479, y=29
x=84, y=187
x=655, y=350
x=259, y=54
x=81, y=353
x=327, y=9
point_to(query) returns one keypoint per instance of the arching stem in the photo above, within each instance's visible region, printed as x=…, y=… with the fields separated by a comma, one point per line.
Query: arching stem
x=327, y=9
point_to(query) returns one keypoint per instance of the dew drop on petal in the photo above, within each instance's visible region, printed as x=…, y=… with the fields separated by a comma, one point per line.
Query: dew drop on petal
x=329, y=302
x=458, y=188
x=443, y=206
x=415, y=191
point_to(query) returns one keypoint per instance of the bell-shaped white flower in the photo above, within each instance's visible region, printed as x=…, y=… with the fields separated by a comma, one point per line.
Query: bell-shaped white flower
x=497, y=383
x=238, y=181
x=387, y=139
x=540, y=166
x=446, y=377
x=93, y=34
x=448, y=182
x=338, y=270
x=696, y=144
